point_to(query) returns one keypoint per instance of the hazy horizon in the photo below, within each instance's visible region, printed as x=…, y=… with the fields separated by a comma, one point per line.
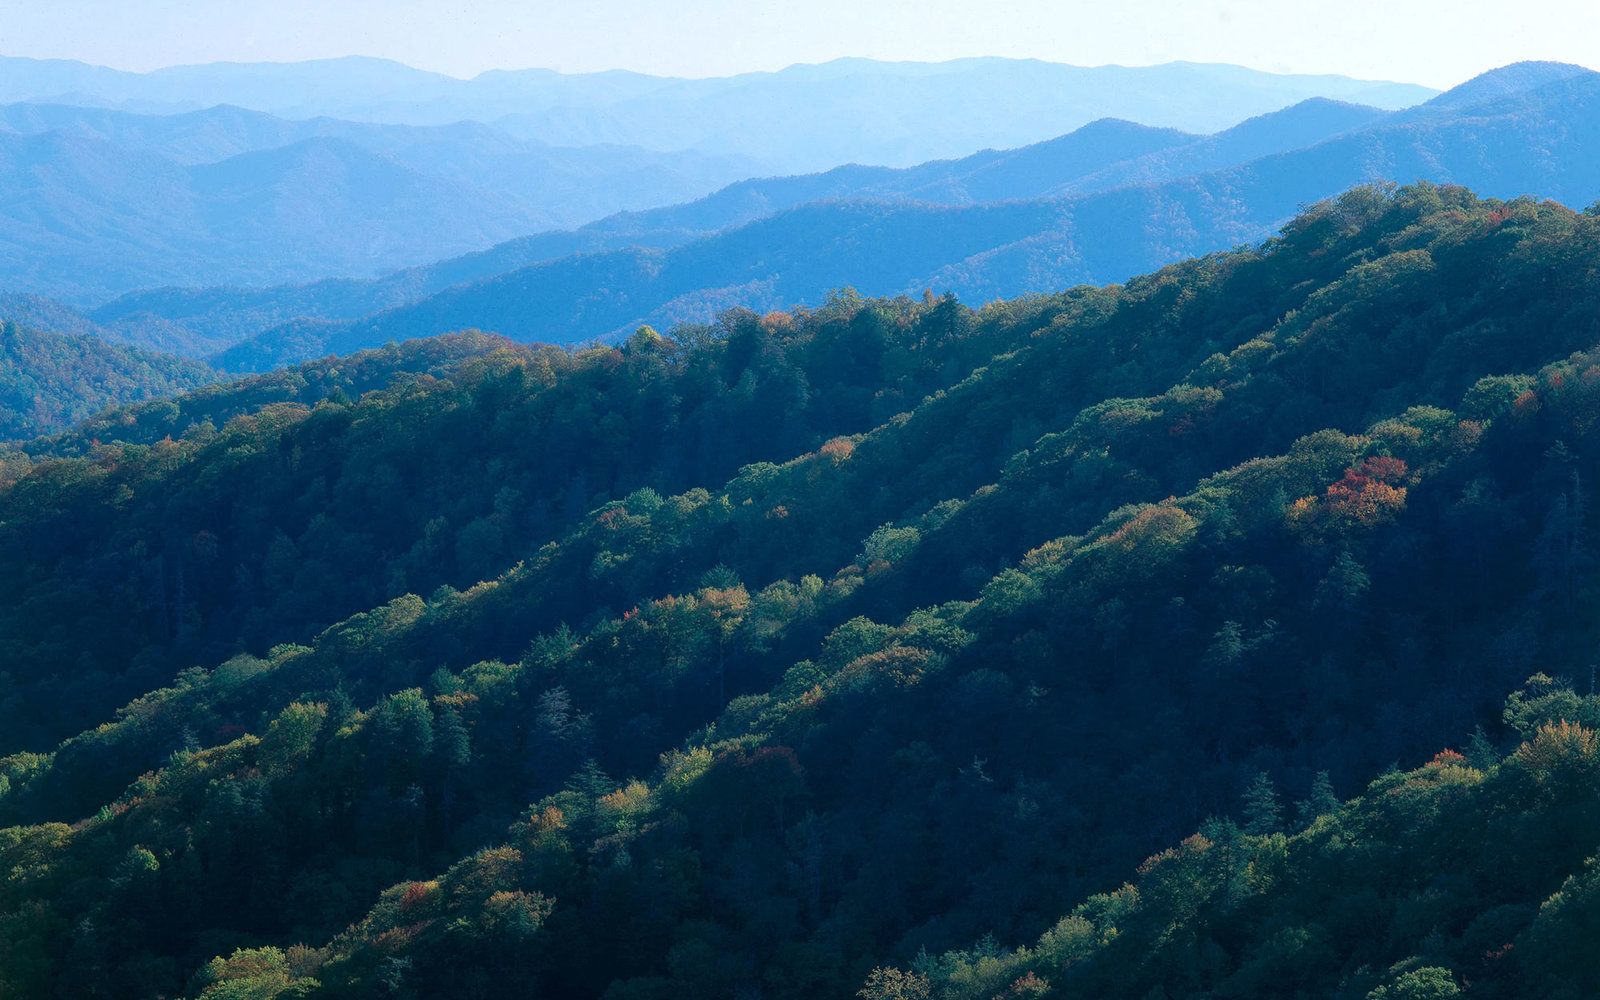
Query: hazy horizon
x=735, y=73
x=1432, y=43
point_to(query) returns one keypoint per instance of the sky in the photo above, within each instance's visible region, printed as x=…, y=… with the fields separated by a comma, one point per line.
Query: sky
x=1434, y=42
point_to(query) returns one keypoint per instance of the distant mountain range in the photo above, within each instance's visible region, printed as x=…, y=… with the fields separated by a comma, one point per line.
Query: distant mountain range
x=565, y=185
x=1100, y=156
x=806, y=117
x=101, y=195
x=1103, y=203
x=201, y=322
x=94, y=203
x=1106, y=202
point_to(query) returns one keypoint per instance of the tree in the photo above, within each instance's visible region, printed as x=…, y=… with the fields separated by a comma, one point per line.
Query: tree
x=452, y=744
x=252, y=974
x=1321, y=802
x=889, y=983
x=1343, y=587
x=560, y=739
x=1562, y=551
x=1262, y=812
x=292, y=735
x=452, y=748
x=946, y=321
x=1430, y=983
x=726, y=607
x=402, y=735
x=588, y=785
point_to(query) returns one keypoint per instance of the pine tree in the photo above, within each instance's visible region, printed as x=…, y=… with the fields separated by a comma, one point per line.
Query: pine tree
x=1345, y=584
x=1481, y=751
x=1321, y=802
x=451, y=742
x=588, y=785
x=1262, y=812
x=452, y=747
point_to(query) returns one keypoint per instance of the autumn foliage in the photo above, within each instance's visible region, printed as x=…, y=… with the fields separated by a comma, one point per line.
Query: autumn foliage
x=1366, y=496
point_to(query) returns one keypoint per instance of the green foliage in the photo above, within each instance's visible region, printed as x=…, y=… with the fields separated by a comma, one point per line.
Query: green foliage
x=1321, y=801
x=1429, y=983
x=1315, y=906
x=50, y=381
x=252, y=974
x=1263, y=812
x=967, y=615
x=1542, y=701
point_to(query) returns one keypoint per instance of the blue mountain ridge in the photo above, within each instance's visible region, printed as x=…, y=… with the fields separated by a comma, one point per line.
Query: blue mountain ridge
x=96, y=202
x=802, y=118
x=1074, y=161
x=1100, y=204
x=1543, y=140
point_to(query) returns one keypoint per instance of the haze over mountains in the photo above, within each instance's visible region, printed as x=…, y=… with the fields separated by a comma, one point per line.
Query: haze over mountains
x=98, y=202
x=843, y=638
x=1101, y=204
x=806, y=117
x=101, y=202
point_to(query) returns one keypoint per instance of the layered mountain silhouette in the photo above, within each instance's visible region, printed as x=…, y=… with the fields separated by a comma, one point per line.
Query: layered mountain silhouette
x=1092, y=219
x=97, y=202
x=806, y=117
x=84, y=217
x=204, y=321
x=290, y=173
x=564, y=186
x=1107, y=201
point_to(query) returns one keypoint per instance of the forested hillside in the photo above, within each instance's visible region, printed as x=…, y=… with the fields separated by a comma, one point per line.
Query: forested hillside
x=866, y=648
x=50, y=381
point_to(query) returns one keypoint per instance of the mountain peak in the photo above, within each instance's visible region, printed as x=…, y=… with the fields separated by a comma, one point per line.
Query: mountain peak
x=1505, y=81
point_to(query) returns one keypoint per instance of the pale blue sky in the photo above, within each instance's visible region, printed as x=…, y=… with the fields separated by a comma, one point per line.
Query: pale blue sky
x=1436, y=42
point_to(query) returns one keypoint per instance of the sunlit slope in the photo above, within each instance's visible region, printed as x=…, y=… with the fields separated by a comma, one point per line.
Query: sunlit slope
x=1015, y=599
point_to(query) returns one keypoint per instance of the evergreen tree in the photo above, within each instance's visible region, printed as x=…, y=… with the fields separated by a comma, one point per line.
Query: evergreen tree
x=1321, y=802
x=1263, y=813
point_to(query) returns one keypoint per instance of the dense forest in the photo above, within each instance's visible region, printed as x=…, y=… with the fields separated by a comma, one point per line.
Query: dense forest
x=51, y=381
x=1223, y=633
